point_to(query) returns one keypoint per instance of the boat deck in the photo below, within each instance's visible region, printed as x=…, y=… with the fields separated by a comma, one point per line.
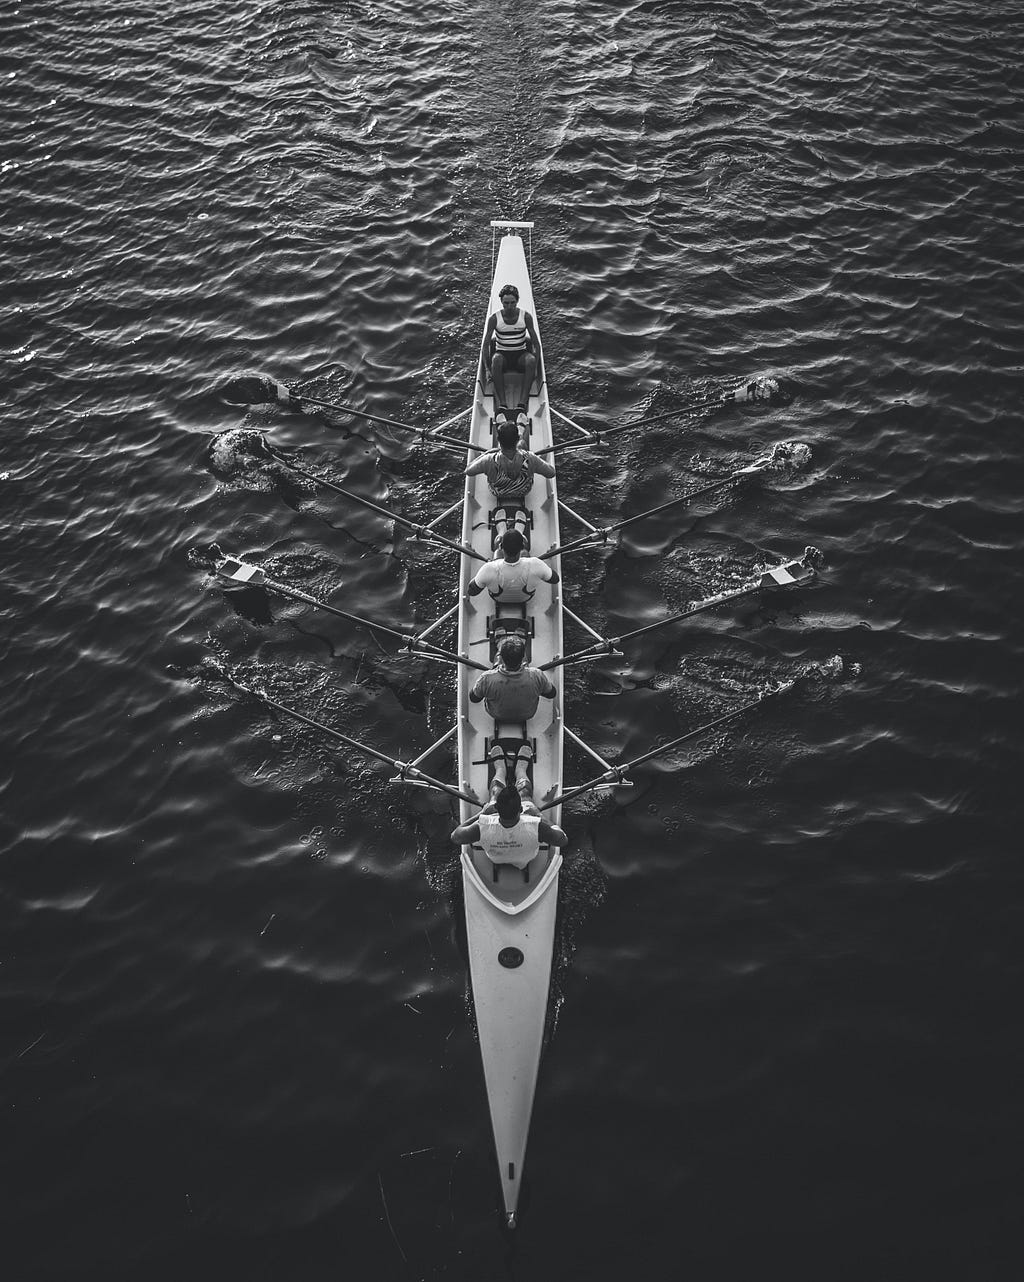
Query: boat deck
x=510, y=912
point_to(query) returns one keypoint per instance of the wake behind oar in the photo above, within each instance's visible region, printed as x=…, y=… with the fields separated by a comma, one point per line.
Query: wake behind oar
x=243, y=455
x=765, y=389
x=788, y=456
x=260, y=389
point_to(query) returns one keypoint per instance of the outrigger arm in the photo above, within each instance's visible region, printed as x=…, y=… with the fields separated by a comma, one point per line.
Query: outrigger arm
x=608, y=767
x=240, y=572
x=799, y=570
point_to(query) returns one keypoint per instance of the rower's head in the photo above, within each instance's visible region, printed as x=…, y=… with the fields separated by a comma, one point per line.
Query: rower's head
x=512, y=544
x=509, y=297
x=512, y=652
x=508, y=436
x=509, y=805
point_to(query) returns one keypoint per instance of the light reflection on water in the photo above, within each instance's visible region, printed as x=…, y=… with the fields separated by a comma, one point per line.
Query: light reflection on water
x=237, y=1012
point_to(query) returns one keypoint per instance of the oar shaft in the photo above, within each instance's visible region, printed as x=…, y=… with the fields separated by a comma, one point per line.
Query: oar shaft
x=324, y=729
x=601, y=433
x=420, y=530
x=688, y=613
x=658, y=418
x=410, y=640
x=401, y=766
x=601, y=535
x=792, y=572
x=619, y=772
x=683, y=498
x=694, y=734
x=386, y=422
x=298, y=595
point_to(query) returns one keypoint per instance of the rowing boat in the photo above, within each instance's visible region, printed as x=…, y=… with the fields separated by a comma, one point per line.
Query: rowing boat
x=510, y=913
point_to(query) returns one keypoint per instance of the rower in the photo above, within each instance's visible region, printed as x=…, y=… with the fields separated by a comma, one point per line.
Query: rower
x=508, y=832
x=512, y=576
x=511, y=346
x=510, y=472
x=512, y=691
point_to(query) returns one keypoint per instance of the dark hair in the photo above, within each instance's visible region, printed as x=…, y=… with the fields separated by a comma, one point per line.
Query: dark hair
x=508, y=802
x=508, y=434
x=508, y=289
x=512, y=541
x=512, y=652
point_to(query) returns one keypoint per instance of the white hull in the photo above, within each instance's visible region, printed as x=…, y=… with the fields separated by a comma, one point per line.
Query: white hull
x=512, y=913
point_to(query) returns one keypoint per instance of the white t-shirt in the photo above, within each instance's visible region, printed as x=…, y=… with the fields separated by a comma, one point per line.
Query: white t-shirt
x=515, y=846
x=515, y=580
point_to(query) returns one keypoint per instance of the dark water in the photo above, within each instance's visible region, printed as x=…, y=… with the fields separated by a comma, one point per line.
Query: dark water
x=236, y=1040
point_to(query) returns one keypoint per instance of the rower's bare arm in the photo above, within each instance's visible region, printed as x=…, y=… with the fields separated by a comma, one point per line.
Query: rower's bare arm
x=551, y=833
x=541, y=466
x=467, y=834
x=477, y=466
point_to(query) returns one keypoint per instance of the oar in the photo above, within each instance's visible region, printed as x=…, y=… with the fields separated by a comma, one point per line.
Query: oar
x=267, y=391
x=762, y=388
x=617, y=773
x=421, y=531
x=799, y=570
x=601, y=535
x=406, y=771
x=604, y=432
x=241, y=572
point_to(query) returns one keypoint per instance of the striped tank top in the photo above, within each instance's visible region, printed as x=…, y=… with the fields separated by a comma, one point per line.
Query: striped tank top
x=509, y=478
x=510, y=338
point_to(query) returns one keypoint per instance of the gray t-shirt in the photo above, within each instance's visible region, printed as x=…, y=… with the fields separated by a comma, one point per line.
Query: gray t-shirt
x=513, y=696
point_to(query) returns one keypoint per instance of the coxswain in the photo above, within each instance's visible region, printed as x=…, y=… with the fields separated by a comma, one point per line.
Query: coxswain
x=511, y=346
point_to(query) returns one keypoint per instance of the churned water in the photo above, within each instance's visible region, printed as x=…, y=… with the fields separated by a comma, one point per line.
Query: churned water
x=237, y=1041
